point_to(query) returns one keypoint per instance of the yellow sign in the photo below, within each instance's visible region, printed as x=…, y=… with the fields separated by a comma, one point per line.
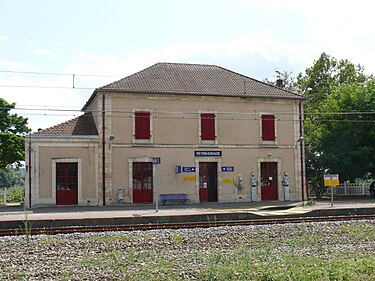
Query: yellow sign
x=189, y=178
x=331, y=180
x=228, y=181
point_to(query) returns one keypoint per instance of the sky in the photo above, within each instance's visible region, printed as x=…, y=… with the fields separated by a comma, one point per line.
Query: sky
x=53, y=54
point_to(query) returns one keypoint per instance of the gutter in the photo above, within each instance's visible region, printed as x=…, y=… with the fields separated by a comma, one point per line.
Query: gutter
x=301, y=147
x=103, y=147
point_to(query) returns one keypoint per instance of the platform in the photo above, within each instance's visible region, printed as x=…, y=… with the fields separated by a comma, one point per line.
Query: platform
x=12, y=217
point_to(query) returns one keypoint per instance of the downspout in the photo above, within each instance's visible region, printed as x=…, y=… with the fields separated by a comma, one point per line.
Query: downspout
x=301, y=146
x=30, y=172
x=103, y=147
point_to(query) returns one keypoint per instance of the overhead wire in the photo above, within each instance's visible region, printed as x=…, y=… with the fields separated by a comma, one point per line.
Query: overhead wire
x=129, y=111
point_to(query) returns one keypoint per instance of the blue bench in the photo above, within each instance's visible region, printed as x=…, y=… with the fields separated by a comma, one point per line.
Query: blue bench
x=164, y=198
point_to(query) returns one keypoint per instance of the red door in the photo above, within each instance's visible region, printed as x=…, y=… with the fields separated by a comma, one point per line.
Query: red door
x=66, y=183
x=269, y=180
x=208, y=182
x=142, y=183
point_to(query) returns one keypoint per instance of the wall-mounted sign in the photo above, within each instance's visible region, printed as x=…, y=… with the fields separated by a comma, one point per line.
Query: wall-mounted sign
x=189, y=178
x=178, y=169
x=227, y=181
x=227, y=168
x=156, y=160
x=188, y=169
x=205, y=153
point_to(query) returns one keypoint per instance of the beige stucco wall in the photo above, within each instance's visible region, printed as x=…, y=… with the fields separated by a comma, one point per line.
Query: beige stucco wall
x=175, y=129
x=175, y=137
x=46, y=152
x=245, y=162
x=175, y=120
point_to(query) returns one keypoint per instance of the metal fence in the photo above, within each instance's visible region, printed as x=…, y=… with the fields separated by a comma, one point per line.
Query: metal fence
x=351, y=189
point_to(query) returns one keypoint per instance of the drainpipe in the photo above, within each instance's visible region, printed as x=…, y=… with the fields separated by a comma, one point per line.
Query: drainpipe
x=30, y=171
x=103, y=147
x=301, y=146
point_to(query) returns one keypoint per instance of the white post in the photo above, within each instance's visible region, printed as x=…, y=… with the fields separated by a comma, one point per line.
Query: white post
x=5, y=195
x=363, y=188
x=345, y=188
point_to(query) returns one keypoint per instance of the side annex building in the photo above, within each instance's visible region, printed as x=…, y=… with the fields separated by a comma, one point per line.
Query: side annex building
x=220, y=137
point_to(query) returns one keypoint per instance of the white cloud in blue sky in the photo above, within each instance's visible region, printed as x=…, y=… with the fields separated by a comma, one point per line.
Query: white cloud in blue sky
x=119, y=37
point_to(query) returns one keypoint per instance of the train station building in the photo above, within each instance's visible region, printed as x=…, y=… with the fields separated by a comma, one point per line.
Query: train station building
x=201, y=131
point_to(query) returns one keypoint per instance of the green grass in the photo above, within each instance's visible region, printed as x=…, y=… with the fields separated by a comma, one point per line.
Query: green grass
x=360, y=231
x=307, y=253
x=111, y=238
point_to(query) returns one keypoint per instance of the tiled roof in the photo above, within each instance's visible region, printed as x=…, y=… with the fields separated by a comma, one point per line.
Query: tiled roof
x=196, y=79
x=82, y=125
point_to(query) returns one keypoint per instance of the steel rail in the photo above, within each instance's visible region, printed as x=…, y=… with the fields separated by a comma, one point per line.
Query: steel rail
x=183, y=225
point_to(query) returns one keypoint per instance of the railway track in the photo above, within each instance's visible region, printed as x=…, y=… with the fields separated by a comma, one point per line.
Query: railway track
x=205, y=224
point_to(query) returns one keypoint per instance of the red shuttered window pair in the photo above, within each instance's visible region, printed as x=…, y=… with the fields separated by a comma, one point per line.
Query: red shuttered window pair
x=208, y=127
x=142, y=126
x=268, y=127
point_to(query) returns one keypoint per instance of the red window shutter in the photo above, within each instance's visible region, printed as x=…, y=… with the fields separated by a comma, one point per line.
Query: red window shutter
x=142, y=125
x=268, y=127
x=208, y=126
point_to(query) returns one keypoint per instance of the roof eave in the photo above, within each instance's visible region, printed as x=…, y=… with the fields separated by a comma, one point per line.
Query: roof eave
x=78, y=137
x=296, y=97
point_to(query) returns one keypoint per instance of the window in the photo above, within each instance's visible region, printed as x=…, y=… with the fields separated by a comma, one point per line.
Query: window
x=66, y=176
x=208, y=131
x=142, y=126
x=268, y=127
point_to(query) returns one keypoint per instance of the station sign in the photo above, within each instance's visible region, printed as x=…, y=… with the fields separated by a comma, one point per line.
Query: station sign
x=331, y=180
x=207, y=153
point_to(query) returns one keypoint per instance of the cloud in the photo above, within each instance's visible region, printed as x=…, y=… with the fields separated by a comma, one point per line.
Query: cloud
x=3, y=38
x=46, y=53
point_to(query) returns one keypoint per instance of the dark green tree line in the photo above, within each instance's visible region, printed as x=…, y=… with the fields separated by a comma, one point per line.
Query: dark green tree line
x=12, y=131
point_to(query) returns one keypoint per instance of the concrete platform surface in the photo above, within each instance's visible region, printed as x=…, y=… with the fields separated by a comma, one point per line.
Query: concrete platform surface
x=10, y=213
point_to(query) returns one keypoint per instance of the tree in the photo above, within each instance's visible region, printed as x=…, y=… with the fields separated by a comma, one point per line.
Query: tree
x=333, y=140
x=327, y=73
x=13, y=128
x=288, y=81
x=11, y=177
x=347, y=137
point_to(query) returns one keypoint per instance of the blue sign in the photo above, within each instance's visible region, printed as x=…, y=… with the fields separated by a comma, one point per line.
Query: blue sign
x=227, y=168
x=156, y=160
x=178, y=169
x=188, y=169
x=205, y=153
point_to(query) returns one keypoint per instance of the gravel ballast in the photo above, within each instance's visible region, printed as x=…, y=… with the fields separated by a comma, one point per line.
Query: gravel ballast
x=174, y=254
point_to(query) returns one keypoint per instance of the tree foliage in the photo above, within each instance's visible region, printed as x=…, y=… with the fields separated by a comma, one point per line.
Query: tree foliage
x=347, y=134
x=339, y=119
x=11, y=177
x=12, y=131
x=339, y=134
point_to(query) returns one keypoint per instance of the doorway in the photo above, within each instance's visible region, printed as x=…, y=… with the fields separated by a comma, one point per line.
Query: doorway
x=142, y=183
x=268, y=180
x=67, y=183
x=208, y=182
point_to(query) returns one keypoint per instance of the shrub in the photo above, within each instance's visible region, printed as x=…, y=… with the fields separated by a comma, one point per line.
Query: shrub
x=16, y=194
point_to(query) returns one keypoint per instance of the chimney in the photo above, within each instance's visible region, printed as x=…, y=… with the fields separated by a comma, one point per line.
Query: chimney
x=280, y=83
